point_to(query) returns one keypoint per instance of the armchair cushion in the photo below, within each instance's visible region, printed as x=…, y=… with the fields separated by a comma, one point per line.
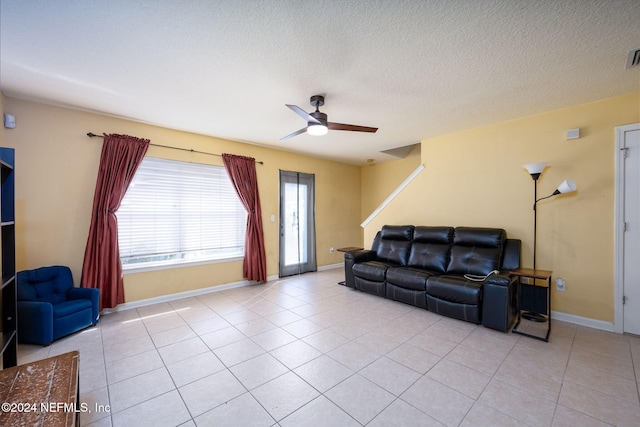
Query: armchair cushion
x=66, y=308
x=90, y=294
x=47, y=284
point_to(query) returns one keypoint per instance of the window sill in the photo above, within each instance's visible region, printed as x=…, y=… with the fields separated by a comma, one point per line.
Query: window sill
x=142, y=268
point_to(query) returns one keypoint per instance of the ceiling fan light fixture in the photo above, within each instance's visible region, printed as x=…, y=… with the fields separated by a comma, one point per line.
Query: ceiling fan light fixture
x=317, y=129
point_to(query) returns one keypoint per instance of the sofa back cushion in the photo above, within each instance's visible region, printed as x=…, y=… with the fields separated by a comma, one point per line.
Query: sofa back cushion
x=476, y=250
x=45, y=284
x=431, y=248
x=395, y=244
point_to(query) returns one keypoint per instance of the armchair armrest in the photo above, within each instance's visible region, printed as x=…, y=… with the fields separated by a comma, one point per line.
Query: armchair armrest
x=35, y=322
x=90, y=294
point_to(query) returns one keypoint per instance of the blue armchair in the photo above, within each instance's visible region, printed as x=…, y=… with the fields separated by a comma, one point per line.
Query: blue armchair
x=49, y=307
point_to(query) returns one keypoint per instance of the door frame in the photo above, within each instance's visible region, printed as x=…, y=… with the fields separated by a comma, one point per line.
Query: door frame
x=311, y=263
x=618, y=273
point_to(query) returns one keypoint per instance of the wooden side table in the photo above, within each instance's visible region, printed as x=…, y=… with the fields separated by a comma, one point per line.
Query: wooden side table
x=347, y=249
x=534, y=299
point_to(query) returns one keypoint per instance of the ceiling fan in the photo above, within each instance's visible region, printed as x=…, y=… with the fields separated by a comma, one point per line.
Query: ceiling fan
x=317, y=123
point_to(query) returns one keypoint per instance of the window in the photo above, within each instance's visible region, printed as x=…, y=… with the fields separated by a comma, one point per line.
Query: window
x=178, y=212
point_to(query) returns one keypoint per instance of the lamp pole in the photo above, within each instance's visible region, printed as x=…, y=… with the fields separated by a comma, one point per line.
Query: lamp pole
x=535, y=216
x=535, y=177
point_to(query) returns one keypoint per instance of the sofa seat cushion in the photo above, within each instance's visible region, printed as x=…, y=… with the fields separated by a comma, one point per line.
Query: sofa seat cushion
x=408, y=278
x=374, y=287
x=62, y=309
x=455, y=289
x=408, y=296
x=372, y=270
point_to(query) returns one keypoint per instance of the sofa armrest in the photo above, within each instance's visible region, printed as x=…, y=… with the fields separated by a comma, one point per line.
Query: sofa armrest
x=500, y=301
x=352, y=258
x=502, y=279
x=362, y=255
x=35, y=322
x=90, y=294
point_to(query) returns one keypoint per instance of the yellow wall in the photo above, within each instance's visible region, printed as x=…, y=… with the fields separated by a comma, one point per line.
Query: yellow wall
x=56, y=167
x=476, y=178
x=382, y=179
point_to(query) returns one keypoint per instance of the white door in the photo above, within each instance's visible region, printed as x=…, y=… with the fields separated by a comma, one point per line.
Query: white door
x=629, y=193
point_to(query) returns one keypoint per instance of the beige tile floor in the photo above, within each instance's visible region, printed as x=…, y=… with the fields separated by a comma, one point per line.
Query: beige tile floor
x=305, y=351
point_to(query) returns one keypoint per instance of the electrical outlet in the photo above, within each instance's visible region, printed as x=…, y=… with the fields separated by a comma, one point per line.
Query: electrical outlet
x=331, y=250
x=561, y=285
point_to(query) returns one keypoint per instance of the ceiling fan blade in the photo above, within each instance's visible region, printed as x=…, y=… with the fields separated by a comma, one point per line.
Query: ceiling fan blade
x=291, y=135
x=341, y=126
x=299, y=111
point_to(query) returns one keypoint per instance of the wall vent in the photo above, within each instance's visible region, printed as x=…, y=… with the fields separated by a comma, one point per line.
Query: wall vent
x=633, y=60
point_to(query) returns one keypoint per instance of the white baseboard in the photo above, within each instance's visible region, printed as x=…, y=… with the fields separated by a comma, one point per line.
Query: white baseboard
x=331, y=266
x=196, y=292
x=583, y=321
x=179, y=295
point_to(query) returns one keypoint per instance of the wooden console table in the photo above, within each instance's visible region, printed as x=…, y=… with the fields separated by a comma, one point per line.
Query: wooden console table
x=42, y=393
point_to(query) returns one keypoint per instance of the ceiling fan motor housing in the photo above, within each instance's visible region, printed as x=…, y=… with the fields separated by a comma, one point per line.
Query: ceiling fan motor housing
x=321, y=117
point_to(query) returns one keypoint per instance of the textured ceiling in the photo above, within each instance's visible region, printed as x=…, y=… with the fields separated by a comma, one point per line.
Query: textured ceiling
x=414, y=69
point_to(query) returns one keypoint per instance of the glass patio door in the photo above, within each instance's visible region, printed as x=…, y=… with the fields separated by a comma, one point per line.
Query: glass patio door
x=297, y=223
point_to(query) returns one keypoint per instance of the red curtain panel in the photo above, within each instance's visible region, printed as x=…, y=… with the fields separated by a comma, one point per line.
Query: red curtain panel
x=242, y=172
x=120, y=158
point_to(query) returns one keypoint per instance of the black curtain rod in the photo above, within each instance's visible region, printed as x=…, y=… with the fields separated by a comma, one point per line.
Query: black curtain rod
x=91, y=135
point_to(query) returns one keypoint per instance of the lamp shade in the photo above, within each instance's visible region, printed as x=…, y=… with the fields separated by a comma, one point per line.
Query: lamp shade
x=567, y=186
x=316, y=129
x=535, y=168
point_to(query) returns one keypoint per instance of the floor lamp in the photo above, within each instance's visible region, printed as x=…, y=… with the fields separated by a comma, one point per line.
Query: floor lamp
x=567, y=186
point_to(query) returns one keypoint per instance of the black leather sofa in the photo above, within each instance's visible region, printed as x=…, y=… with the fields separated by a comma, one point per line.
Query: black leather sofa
x=435, y=267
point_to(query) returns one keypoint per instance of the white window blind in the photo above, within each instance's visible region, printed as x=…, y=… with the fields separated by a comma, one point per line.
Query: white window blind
x=176, y=212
